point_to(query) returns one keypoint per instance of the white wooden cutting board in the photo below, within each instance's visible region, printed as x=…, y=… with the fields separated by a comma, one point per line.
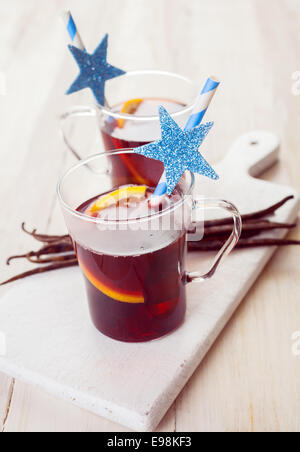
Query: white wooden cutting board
x=51, y=343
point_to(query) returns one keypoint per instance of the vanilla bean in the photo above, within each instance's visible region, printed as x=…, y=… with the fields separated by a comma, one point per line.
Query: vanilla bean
x=267, y=242
x=45, y=269
x=257, y=226
x=58, y=250
x=54, y=248
x=43, y=237
x=214, y=245
x=51, y=259
x=251, y=216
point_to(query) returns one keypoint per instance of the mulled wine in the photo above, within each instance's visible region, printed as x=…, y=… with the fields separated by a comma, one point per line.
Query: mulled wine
x=131, y=250
x=135, y=132
x=136, y=286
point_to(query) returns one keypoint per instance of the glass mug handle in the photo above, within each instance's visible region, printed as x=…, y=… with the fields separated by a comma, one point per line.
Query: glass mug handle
x=77, y=111
x=213, y=203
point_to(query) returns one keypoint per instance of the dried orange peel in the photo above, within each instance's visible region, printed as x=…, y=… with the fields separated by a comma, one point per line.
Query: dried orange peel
x=136, y=191
x=130, y=107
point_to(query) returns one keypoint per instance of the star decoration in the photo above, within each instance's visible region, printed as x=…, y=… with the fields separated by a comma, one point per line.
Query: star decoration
x=178, y=150
x=94, y=70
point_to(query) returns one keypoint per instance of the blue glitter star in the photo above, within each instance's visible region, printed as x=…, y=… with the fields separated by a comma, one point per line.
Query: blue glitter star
x=94, y=70
x=178, y=150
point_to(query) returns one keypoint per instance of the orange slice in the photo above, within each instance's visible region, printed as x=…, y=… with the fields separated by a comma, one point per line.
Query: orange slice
x=130, y=107
x=113, y=293
x=137, y=191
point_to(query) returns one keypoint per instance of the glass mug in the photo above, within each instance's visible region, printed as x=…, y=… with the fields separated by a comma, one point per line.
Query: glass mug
x=175, y=92
x=134, y=268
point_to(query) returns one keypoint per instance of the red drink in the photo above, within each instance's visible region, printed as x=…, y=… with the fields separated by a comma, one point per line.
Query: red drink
x=135, y=133
x=131, y=253
x=140, y=295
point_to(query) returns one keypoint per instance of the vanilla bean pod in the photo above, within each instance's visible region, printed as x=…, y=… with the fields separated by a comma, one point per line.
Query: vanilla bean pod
x=44, y=269
x=207, y=245
x=58, y=250
x=253, y=226
x=251, y=216
x=44, y=237
x=51, y=259
x=53, y=248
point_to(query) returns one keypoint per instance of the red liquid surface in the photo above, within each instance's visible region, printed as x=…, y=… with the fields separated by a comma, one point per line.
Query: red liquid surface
x=152, y=283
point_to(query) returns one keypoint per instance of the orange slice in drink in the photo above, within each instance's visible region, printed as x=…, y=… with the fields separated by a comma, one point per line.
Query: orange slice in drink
x=123, y=193
x=130, y=107
x=111, y=292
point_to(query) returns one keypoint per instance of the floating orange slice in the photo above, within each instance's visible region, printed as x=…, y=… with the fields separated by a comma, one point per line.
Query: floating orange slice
x=130, y=107
x=136, y=191
x=113, y=293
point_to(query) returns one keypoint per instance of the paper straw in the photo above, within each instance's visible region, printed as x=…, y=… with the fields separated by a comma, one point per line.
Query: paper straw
x=74, y=34
x=72, y=30
x=202, y=103
x=194, y=120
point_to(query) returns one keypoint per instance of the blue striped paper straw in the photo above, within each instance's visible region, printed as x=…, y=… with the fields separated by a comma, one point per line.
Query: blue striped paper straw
x=194, y=120
x=202, y=103
x=74, y=34
x=72, y=30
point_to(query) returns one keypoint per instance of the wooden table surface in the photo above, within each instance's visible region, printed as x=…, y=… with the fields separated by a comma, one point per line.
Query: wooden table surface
x=249, y=381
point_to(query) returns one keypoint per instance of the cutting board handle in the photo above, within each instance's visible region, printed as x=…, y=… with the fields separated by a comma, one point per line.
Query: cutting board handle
x=253, y=153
